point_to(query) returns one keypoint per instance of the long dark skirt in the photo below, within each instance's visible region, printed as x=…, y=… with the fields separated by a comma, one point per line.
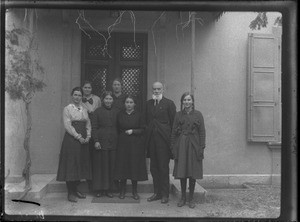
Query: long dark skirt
x=187, y=164
x=74, y=159
x=131, y=159
x=103, y=167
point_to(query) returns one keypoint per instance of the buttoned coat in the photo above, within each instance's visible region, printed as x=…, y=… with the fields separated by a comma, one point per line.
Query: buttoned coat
x=160, y=118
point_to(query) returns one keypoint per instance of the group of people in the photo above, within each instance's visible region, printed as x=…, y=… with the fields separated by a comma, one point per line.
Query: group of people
x=107, y=142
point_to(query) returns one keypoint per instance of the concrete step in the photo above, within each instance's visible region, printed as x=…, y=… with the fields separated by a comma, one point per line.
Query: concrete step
x=46, y=183
x=57, y=187
x=14, y=190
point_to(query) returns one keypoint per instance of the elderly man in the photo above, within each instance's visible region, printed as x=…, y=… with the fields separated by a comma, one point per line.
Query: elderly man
x=160, y=113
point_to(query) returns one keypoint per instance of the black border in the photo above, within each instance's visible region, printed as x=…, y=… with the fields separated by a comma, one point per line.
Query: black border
x=289, y=88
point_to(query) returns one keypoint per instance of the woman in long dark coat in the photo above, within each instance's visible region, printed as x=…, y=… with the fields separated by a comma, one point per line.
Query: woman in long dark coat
x=91, y=102
x=187, y=145
x=118, y=96
x=74, y=159
x=131, y=157
x=105, y=135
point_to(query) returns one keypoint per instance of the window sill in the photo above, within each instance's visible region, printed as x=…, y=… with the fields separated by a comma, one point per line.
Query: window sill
x=274, y=145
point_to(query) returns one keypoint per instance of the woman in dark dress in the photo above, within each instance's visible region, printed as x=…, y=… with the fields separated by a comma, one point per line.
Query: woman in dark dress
x=118, y=96
x=91, y=102
x=131, y=157
x=187, y=145
x=105, y=135
x=74, y=159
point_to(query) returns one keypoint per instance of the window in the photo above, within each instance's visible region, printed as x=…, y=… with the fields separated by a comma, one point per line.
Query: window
x=264, y=88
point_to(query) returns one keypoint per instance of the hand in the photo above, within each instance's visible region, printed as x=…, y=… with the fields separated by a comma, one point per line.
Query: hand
x=129, y=132
x=87, y=139
x=97, y=146
x=81, y=140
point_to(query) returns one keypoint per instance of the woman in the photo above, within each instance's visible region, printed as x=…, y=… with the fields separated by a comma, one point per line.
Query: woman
x=118, y=97
x=188, y=143
x=131, y=158
x=91, y=102
x=74, y=161
x=105, y=136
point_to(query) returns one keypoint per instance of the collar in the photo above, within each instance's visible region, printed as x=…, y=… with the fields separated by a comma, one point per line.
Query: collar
x=79, y=108
x=89, y=97
x=159, y=97
x=185, y=112
x=132, y=112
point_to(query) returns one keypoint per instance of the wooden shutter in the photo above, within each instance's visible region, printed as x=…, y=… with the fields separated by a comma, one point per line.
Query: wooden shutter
x=263, y=88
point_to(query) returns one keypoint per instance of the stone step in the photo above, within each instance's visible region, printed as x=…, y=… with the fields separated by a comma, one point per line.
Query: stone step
x=46, y=183
x=39, y=182
x=57, y=187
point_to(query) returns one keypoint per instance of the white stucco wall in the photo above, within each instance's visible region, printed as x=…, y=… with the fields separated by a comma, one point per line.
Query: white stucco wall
x=220, y=79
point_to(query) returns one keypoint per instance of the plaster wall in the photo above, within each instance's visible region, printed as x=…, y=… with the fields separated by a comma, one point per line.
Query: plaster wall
x=220, y=91
x=220, y=80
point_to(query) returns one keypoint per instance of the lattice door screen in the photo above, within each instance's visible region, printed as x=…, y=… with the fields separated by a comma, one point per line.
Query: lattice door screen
x=127, y=61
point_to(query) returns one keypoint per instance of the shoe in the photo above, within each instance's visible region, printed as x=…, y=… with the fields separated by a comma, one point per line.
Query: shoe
x=122, y=195
x=192, y=204
x=80, y=195
x=154, y=197
x=164, y=200
x=181, y=202
x=72, y=198
x=108, y=194
x=135, y=196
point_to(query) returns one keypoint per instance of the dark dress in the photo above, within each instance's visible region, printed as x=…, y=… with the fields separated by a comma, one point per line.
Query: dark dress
x=188, y=143
x=104, y=130
x=74, y=158
x=131, y=156
x=119, y=102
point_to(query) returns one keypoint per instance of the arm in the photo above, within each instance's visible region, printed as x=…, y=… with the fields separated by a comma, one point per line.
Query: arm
x=202, y=132
x=68, y=124
x=88, y=126
x=142, y=126
x=174, y=130
x=172, y=112
x=95, y=126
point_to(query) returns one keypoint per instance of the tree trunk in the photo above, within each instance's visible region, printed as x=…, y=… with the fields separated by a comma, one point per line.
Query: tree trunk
x=26, y=144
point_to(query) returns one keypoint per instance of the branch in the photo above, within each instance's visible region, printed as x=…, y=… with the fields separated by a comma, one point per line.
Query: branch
x=152, y=27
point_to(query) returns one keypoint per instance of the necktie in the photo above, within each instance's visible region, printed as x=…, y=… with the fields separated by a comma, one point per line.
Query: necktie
x=155, y=102
x=90, y=100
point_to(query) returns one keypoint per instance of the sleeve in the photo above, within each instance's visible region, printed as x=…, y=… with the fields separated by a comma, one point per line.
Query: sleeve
x=98, y=102
x=202, y=132
x=88, y=125
x=174, y=130
x=142, y=126
x=172, y=112
x=95, y=126
x=68, y=124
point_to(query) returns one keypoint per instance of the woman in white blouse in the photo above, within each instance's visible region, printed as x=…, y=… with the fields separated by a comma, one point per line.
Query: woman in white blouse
x=74, y=160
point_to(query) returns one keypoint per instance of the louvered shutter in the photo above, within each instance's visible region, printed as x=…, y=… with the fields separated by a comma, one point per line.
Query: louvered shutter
x=263, y=88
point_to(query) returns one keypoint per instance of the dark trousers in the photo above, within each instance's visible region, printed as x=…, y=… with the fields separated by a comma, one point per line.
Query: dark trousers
x=159, y=164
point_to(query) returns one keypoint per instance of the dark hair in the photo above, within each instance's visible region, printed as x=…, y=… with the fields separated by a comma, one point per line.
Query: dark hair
x=106, y=93
x=77, y=88
x=182, y=98
x=87, y=82
x=131, y=97
x=117, y=79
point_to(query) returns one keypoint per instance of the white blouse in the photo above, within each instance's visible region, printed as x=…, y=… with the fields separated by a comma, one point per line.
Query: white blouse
x=94, y=106
x=73, y=113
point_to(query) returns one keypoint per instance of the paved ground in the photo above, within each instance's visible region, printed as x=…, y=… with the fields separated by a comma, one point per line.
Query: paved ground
x=263, y=201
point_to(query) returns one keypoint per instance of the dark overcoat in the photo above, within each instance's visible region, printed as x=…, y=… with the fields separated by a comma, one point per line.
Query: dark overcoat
x=159, y=118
